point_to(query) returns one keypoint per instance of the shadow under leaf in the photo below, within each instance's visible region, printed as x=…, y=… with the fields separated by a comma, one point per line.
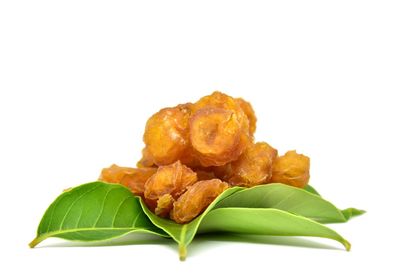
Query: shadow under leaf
x=200, y=242
x=203, y=241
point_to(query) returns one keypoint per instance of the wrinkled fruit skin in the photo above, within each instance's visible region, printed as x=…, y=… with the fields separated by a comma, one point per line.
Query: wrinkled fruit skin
x=146, y=160
x=292, y=169
x=167, y=135
x=216, y=136
x=133, y=178
x=171, y=179
x=211, y=132
x=249, y=111
x=253, y=167
x=196, y=199
x=205, y=175
x=164, y=205
x=219, y=129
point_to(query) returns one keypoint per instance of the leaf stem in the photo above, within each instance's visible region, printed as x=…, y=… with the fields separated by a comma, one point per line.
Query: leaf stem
x=347, y=245
x=36, y=241
x=182, y=245
x=182, y=252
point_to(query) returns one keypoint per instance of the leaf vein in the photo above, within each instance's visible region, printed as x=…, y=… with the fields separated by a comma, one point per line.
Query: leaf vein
x=73, y=203
x=119, y=207
x=79, y=219
x=284, y=200
x=103, y=205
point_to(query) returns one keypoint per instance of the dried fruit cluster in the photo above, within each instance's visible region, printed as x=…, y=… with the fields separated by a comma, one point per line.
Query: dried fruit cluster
x=195, y=151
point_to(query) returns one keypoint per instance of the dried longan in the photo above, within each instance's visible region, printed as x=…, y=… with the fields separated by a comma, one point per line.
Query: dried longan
x=249, y=111
x=205, y=175
x=196, y=199
x=235, y=125
x=167, y=135
x=216, y=136
x=146, y=160
x=242, y=108
x=200, y=150
x=217, y=100
x=164, y=205
x=292, y=169
x=223, y=172
x=254, y=166
x=171, y=179
x=133, y=178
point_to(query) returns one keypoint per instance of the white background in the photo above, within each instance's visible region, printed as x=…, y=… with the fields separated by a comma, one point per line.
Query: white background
x=78, y=79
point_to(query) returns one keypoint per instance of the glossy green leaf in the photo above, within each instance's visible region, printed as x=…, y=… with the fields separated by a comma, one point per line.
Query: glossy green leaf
x=184, y=234
x=101, y=211
x=92, y=212
x=290, y=199
x=262, y=221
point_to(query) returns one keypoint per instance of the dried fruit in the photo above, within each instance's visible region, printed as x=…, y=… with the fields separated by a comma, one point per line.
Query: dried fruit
x=171, y=179
x=167, y=135
x=217, y=100
x=133, y=178
x=146, y=160
x=196, y=199
x=216, y=135
x=205, y=175
x=254, y=166
x=164, y=205
x=292, y=169
x=249, y=111
x=210, y=141
x=217, y=118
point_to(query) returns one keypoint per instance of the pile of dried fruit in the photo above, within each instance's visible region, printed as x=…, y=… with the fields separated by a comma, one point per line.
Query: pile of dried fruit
x=195, y=151
x=200, y=168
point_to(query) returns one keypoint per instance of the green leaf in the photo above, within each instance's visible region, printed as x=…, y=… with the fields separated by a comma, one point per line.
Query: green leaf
x=352, y=212
x=92, y=212
x=184, y=234
x=311, y=189
x=261, y=221
x=290, y=199
x=101, y=211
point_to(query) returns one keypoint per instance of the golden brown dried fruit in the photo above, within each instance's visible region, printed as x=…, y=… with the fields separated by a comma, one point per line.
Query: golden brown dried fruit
x=204, y=175
x=254, y=166
x=167, y=135
x=196, y=199
x=217, y=100
x=249, y=111
x=223, y=172
x=164, y=205
x=146, y=160
x=292, y=169
x=231, y=125
x=217, y=136
x=133, y=178
x=171, y=179
x=213, y=136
